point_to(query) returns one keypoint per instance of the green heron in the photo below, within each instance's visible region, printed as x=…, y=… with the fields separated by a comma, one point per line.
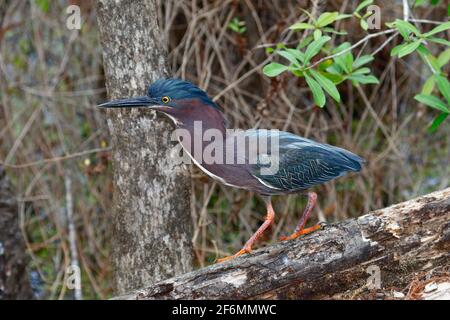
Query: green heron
x=301, y=163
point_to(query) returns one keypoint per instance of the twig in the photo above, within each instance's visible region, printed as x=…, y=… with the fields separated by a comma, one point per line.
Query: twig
x=69, y=156
x=405, y=10
x=425, y=21
x=385, y=43
x=357, y=44
x=77, y=294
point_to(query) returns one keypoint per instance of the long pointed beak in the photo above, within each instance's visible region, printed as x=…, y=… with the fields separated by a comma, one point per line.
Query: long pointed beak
x=135, y=102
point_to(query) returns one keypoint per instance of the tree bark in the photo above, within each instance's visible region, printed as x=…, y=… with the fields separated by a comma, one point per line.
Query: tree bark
x=14, y=282
x=152, y=228
x=395, y=245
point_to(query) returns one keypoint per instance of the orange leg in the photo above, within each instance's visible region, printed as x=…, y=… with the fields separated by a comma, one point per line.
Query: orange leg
x=248, y=245
x=300, y=229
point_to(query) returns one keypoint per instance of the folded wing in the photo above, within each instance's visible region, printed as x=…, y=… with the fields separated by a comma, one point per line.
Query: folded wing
x=303, y=163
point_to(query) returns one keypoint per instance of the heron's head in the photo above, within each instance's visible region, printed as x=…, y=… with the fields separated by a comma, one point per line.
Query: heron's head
x=175, y=97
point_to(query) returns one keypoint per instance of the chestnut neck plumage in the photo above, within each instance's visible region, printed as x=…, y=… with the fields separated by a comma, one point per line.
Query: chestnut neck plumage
x=192, y=114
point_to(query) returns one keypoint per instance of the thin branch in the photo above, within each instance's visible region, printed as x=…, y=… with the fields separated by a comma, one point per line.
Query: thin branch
x=357, y=44
x=425, y=21
x=66, y=157
x=405, y=10
x=385, y=43
x=77, y=294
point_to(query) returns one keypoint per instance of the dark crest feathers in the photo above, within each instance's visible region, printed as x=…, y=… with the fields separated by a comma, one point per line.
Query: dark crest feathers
x=178, y=89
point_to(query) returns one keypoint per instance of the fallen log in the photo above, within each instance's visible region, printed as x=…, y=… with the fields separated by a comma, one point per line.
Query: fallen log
x=373, y=256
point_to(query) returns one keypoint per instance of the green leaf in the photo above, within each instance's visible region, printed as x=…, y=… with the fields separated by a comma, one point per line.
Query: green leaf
x=327, y=85
x=343, y=16
x=335, y=69
x=432, y=101
x=439, y=28
x=326, y=18
x=348, y=60
x=297, y=73
x=331, y=30
x=335, y=78
x=340, y=62
x=440, y=41
x=423, y=50
x=324, y=65
x=434, y=62
x=289, y=56
x=419, y=3
x=361, y=71
x=300, y=56
x=404, y=32
x=301, y=26
x=315, y=47
x=317, y=34
x=233, y=27
x=409, y=48
x=362, y=61
x=305, y=42
x=44, y=5
x=363, y=5
x=345, y=60
x=390, y=25
x=364, y=79
x=443, y=86
x=429, y=59
x=428, y=86
x=437, y=122
x=395, y=50
x=273, y=69
x=237, y=26
x=443, y=58
x=406, y=26
x=317, y=92
x=364, y=24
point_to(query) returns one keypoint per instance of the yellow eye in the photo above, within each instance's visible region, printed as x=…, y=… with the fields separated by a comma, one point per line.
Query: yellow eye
x=165, y=99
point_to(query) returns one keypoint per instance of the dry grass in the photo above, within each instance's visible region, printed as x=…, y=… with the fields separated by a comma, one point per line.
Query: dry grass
x=50, y=130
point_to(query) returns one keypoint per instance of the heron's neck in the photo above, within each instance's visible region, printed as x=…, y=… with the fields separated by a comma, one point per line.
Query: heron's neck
x=198, y=126
x=203, y=118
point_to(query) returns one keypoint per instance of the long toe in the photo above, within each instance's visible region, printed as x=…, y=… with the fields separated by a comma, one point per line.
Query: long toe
x=237, y=254
x=301, y=232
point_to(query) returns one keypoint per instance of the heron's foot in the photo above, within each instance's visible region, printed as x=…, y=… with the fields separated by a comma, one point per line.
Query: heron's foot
x=302, y=232
x=246, y=249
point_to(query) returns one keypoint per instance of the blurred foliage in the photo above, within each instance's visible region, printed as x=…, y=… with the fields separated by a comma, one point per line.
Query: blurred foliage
x=52, y=78
x=237, y=25
x=327, y=72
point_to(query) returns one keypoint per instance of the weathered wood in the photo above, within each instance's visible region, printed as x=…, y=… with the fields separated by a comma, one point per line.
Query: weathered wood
x=400, y=241
x=152, y=227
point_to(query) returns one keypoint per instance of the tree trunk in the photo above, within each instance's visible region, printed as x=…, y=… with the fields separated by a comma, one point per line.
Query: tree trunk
x=14, y=282
x=152, y=228
x=384, y=253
